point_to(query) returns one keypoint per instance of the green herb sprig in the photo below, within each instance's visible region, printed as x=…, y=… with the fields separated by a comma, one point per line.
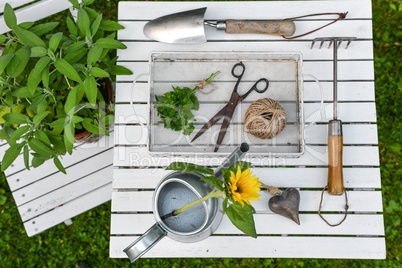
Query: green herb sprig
x=174, y=107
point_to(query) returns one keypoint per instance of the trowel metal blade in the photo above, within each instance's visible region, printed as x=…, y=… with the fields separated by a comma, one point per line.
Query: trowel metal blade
x=184, y=27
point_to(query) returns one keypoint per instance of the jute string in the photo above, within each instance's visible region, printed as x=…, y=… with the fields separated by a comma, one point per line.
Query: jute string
x=201, y=86
x=271, y=189
x=265, y=118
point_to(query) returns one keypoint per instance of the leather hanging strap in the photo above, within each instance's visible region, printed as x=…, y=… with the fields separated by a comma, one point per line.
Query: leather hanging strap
x=341, y=16
x=346, y=209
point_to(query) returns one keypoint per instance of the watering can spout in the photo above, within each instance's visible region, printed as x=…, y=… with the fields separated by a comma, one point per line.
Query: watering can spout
x=235, y=156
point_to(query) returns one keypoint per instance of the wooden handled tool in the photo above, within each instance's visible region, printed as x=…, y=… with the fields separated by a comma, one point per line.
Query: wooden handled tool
x=335, y=146
x=188, y=27
x=283, y=27
x=335, y=138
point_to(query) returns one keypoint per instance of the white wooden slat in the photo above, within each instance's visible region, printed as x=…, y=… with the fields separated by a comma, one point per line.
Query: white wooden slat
x=281, y=74
x=357, y=50
x=80, y=153
x=316, y=134
x=359, y=201
x=279, y=177
x=166, y=141
x=13, y=3
x=65, y=194
x=69, y=210
x=246, y=10
x=313, y=156
x=37, y=11
x=143, y=178
x=310, y=224
x=58, y=180
x=347, y=70
x=130, y=134
x=18, y=165
x=347, y=91
x=353, y=134
x=361, y=29
x=124, y=114
x=124, y=91
x=347, y=112
x=262, y=247
x=3, y=148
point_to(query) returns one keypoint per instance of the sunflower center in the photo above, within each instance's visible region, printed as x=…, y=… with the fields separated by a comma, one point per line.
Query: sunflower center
x=238, y=189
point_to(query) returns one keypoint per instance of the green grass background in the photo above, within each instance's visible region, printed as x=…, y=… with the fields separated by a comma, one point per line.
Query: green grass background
x=88, y=238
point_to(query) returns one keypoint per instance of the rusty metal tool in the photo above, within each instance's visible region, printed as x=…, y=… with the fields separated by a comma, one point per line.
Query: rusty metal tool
x=227, y=111
x=335, y=138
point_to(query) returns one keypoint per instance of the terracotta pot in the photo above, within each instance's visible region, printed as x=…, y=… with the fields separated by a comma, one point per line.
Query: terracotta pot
x=86, y=136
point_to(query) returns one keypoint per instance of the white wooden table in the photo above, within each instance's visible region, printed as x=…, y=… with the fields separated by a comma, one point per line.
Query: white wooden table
x=136, y=171
x=45, y=197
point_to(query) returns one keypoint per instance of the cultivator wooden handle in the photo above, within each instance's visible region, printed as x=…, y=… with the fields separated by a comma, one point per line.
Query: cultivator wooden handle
x=335, y=148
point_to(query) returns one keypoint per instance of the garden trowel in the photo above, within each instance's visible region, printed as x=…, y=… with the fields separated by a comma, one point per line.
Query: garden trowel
x=188, y=27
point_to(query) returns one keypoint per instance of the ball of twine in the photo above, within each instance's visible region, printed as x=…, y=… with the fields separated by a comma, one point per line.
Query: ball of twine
x=265, y=118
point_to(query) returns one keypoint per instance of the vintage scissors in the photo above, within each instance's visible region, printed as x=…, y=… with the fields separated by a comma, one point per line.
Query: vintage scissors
x=228, y=110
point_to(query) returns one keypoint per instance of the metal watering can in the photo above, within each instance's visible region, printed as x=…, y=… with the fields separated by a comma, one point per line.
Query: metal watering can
x=173, y=192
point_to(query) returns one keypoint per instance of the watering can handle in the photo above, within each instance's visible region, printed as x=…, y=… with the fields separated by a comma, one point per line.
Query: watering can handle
x=145, y=242
x=320, y=111
x=235, y=156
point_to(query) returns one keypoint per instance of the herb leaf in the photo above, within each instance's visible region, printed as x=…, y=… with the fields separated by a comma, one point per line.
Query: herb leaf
x=174, y=107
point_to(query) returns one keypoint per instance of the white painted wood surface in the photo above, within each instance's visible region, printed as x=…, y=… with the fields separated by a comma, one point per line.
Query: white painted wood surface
x=33, y=10
x=137, y=171
x=46, y=197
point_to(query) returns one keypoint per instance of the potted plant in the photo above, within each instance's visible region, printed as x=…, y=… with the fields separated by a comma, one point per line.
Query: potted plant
x=52, y=84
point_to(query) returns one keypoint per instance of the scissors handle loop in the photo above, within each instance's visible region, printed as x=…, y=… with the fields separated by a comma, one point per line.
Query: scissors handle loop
x=243, y=68
x=255, y=87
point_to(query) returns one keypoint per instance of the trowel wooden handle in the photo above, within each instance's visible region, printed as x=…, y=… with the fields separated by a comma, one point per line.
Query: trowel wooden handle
x=335, y=148
x=283, y=27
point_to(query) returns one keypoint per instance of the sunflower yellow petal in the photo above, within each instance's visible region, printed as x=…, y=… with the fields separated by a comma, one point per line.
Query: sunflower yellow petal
x=243, y=186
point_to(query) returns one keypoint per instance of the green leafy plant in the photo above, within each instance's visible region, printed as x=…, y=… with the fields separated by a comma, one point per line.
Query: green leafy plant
x=237, y=189
x=52, y=83
x=174, y=107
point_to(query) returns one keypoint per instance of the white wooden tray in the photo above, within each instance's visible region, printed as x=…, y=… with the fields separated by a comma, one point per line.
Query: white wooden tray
x=186, y=69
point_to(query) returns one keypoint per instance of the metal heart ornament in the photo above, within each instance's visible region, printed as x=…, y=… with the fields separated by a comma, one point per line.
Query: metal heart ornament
x=286, y=204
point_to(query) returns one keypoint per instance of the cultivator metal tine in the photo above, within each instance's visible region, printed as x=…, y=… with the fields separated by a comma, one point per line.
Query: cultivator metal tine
x=349, y=41
x=322, y=42
x=312, y=44
x=336, y=42
x=332, y=41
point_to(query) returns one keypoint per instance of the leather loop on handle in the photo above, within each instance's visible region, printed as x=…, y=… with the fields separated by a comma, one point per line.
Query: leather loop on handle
x=346, y=209
x=285, y=28
x=335, y=174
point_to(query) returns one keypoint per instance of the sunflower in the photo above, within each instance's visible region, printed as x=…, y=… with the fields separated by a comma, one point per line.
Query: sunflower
x=243, y=187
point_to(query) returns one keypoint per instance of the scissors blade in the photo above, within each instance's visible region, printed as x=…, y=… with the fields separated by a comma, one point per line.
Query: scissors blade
x=222, y=132
x=211, y=122
x=234, y=100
